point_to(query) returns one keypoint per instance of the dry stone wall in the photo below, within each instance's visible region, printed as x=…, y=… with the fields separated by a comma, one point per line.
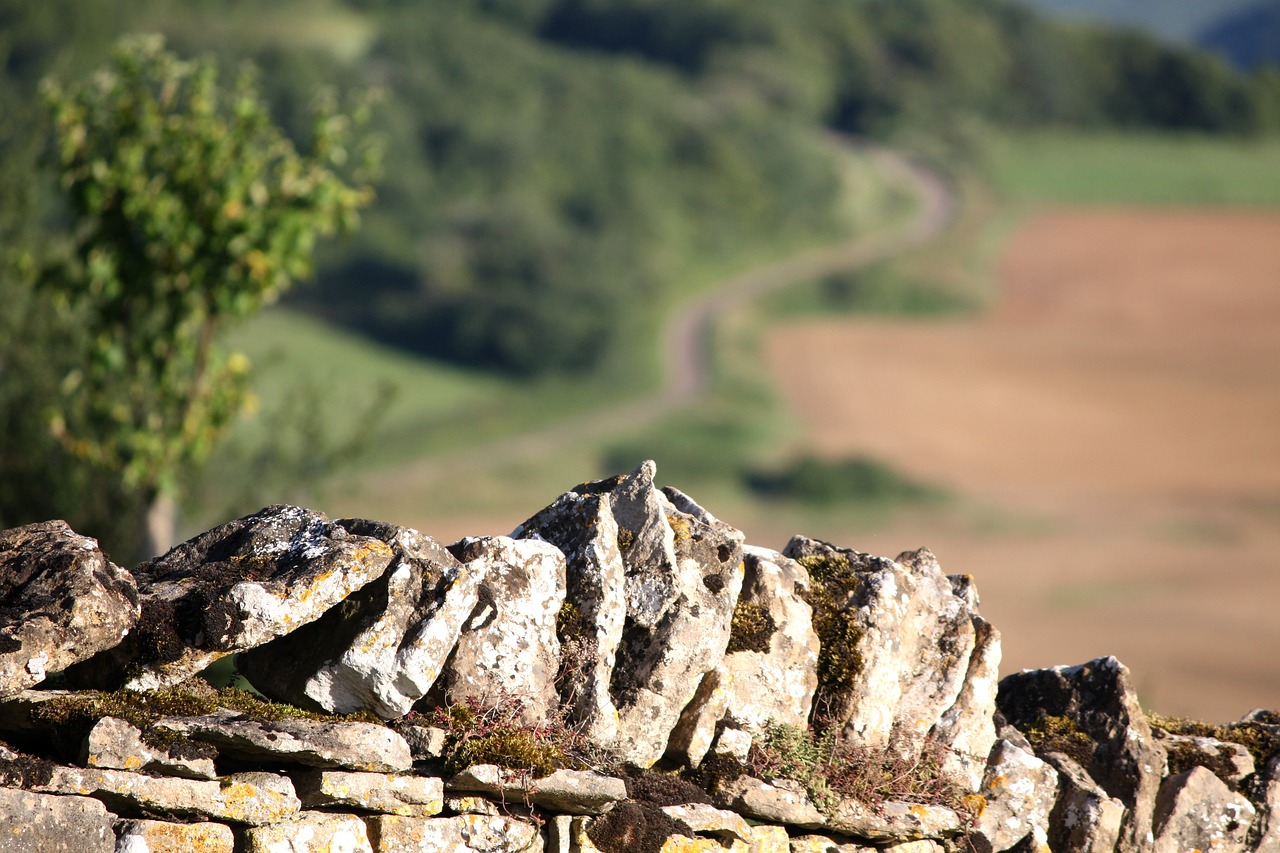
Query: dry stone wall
x=623, y=673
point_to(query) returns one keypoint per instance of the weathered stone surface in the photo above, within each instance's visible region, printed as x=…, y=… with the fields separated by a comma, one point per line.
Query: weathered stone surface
x=684, y=574
x=769, y=672
x=1268, y=821
x=1085, y=819
x=823, y=844
x=310, y=832
x=900, y=641
x=769, y=839
x=155, y=836
x=461, y=834
x=709, y=820
x=385, y=793
x=922, y=846
x=1230, y=762
x=383, y=648
x=61, y=601
x=1020, y=792
x=893, y=821
x=114, y=744
x=1098, y=698
x=474, y=804
x=313, y=743
x=784, y=802
x=249, y=798
x=508, y=645
x=582, y=526
x=1195, y=810
x=967, y=728
x=569, y=791
x=235, y=587
x=45, y=823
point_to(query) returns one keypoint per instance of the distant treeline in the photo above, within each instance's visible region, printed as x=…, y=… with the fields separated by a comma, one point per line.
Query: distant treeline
x=553, y=165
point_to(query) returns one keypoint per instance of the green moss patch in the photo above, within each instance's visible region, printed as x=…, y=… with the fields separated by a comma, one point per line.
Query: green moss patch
x=833, y=581
x=1258, y=736
x=751, y=628
x=1061, y=734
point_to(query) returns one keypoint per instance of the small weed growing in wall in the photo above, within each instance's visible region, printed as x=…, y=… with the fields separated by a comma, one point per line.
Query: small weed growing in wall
x=831, y=769
x=479, y=732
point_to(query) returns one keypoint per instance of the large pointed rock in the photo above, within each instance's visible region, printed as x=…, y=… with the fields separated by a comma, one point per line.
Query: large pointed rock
x=589, y=626
x=233, y=588
x=61, y=602
x=1019, y=792
x=383, y=648
x=896, y=643
x=508, y=645
x=1195, y=810
x=1094, y=711
x=769, y=672
x=683, y=576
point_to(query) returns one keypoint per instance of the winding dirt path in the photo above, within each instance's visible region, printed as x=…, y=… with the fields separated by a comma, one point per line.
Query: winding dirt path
x=686, y=341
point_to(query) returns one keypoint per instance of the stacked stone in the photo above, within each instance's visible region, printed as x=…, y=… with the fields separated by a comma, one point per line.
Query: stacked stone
x=624, y=609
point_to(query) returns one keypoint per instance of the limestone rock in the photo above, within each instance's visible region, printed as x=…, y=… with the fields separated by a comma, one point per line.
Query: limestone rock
x=897, y=642
x=967, y=728
x=384, y=793
x=239, y=586
x=1230, y=762
x=769, y=672
x=1020, y=792
x=248, y=798
x=782, y=802
x=1268, y=822
x=769, y=839
x=823, y=844
x=893, y=820
x=709, y=820
x=508, y=645
x=382, y=648
x=568, y=791
x=156, y=836
x=1098, y=699
x=680, y=603
x=475, y=804
x=582, y=526
x=1085, y=819
x=1195, y=810
x=114, y=744
x=44, y=823
x=61, y=601
x=313, y=743
x=463, y=834
x=310, y=832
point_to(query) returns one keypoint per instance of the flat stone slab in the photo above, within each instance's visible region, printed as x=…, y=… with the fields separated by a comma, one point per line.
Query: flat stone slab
x=567, y=791
x=46, y=823
x=310, y=832
x=313, y=743
x=463, y=834
x=384, y=793
x=157, y=836
x=61, y=602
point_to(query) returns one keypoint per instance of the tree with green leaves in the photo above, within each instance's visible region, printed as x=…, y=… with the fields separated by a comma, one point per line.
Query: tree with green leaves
x=189, y=208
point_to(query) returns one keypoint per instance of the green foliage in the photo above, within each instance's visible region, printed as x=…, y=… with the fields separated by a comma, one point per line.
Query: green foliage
x=751, y=628
x=190, y=208
x=859, y=480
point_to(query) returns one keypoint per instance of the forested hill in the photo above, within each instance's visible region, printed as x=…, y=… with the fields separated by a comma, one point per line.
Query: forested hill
x=553, y=165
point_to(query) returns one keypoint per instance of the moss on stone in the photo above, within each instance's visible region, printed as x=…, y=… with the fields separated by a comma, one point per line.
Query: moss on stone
x=751, y=628
x=1259, y=737
x=635, y=827
x=1061, y=734
x=833, y=582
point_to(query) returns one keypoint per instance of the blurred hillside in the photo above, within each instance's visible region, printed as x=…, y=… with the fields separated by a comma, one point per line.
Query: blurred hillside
x=553, y=165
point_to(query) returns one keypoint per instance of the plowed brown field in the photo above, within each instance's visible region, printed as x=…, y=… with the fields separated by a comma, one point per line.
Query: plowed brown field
x=1116, y=417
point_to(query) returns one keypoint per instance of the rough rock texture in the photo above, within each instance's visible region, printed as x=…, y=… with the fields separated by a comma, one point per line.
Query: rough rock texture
x=464, y=834
x=238, y=586
x=43, y=823
x=508, y=646
x=1084, y=819
x=314, y=743
x=782, y=802
x=310, y=832
x=823, y=844
x=582, y=526
x=114, y=744
x=1020, y=791
x=709, y=820
x=383, y=648
x=567, y=791
x=897, y=642
x=1230, y=762
x=1195, y=810
x=61, y=602
x=893, y=821
x=156, y=836
x=383, y=793
x=1267, y=826
x=967, y=728
x=769, y=672
x=248, y=798
x=1097, y=698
